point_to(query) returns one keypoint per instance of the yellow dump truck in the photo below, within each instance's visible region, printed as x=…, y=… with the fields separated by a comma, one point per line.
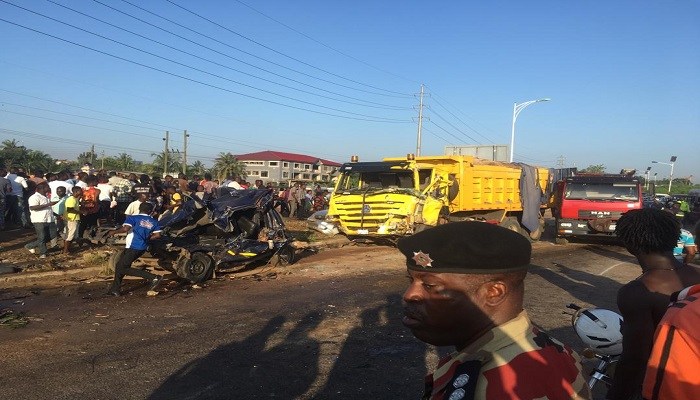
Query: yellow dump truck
x=400, y=196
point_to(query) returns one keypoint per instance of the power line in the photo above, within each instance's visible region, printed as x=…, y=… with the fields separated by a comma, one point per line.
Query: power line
x=230, y=46
x=369, y=103
x=199, y=134
x=49, y=138
x=436, y=135
x=464, y=114
x=276, y=51
x=86, y=109
x=81, y=116
x=324, y=44
x=448, y=132
x=452, y=125
x=464, y=123
x=197, y=81
x=199, y=69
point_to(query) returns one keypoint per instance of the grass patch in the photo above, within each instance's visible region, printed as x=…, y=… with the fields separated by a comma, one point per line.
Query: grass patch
x=98, y=259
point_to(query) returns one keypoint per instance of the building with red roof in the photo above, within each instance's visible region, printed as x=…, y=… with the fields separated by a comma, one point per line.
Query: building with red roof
x=278, y=166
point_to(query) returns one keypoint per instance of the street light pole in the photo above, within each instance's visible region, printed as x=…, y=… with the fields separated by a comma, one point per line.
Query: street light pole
x=670, y=178
x=646, y=179
x=516, y=111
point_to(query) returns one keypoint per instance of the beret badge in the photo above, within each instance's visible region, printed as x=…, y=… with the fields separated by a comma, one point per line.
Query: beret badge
x=422, y=259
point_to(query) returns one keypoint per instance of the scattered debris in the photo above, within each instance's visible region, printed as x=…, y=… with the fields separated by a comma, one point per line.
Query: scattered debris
x=11, y=319
x=9, y=269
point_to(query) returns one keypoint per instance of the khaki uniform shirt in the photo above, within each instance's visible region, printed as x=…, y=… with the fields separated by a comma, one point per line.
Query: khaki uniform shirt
x=512, y=361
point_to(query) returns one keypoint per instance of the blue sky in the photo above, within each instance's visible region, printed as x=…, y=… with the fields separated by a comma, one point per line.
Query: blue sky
x=333, y=79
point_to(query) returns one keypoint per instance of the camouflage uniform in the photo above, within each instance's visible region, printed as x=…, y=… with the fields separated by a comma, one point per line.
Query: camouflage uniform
x=512, y=361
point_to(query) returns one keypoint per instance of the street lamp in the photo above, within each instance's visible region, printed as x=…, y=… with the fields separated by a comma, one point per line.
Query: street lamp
x=646, y=179
x=670, y=178
x=516, y=111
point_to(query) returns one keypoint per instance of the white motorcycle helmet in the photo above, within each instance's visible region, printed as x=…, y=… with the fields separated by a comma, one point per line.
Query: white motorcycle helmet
x=600, y=330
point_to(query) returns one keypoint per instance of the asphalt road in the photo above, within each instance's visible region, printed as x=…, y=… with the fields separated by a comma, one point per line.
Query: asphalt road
x=326, y=327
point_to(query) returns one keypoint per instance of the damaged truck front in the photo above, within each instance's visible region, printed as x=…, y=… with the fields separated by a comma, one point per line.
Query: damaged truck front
x=400, y=196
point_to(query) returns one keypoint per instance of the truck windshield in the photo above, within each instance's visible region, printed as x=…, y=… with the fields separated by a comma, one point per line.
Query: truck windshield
x=363, y=180
x=601, y=191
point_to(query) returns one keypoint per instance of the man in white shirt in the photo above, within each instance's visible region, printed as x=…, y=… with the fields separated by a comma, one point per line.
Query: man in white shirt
x=41, y=215
x=15, y=200
x=60, y=181
x=133, y=208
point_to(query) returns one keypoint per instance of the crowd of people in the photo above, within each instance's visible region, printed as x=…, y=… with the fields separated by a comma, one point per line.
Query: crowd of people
x=71, y=206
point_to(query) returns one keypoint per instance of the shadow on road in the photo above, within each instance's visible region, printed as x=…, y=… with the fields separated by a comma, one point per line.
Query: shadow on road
x=379, y=360
x=602, y=251
x=249, y=370
x=582, y=286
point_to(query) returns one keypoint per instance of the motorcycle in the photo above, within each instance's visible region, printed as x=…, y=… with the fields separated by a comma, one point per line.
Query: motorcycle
x=599, y=329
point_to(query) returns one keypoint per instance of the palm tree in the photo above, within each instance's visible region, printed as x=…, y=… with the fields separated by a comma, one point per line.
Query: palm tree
x=38, y=160
x=227, y=164
x=124, y=162
x=197, y=168
x=174, y=163
x=12, y=154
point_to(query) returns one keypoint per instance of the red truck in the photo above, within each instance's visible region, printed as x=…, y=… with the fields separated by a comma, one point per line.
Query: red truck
x=590, y=204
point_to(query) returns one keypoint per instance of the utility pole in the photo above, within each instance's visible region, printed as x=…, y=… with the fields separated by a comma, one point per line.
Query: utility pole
x=103, y=160
x=165, y=154
x=184, y=154
x=420, y=121
x=560, y=161
x=92, y=154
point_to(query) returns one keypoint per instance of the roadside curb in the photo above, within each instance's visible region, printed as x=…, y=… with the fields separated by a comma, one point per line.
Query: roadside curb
x=26, y=279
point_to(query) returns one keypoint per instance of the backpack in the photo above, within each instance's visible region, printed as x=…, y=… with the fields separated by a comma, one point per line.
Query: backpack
x=672, y=370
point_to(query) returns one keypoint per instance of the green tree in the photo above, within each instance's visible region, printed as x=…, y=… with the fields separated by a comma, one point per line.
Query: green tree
x=227, y=164
x=197, y=168
x=12, y=153
x=87, y=157
x=174, y=163
x=594, y=169
x=38, y=161
x=124, y=162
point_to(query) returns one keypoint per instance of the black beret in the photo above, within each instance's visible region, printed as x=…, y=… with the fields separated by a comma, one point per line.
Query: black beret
x=466, y=248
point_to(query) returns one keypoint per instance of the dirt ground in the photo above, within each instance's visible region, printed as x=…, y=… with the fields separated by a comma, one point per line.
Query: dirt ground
x=326, y=327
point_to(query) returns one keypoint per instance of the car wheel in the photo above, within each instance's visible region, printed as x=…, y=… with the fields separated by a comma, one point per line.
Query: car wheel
x=285, y=256
x=197, y=268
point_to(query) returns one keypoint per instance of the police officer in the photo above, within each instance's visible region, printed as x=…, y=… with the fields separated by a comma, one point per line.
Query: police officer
x=466, y=290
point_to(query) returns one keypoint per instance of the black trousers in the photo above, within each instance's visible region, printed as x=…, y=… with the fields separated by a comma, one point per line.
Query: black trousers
x=123, y=268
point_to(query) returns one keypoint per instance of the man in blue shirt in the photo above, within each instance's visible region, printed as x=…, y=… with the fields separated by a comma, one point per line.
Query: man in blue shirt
x=140, y=228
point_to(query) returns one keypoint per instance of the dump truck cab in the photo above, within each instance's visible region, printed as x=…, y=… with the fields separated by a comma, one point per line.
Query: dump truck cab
x=385, y=198
x=591, y=204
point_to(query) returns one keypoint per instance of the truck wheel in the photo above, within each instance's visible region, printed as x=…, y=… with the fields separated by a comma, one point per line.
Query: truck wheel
x=198, y=268
x=511, y=224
